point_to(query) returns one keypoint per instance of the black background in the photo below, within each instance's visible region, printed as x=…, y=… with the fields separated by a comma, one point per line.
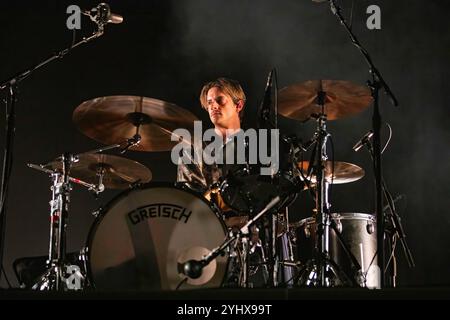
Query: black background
x=168, y=49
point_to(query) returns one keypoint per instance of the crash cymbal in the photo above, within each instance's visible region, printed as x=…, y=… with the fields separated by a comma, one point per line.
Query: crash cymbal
x=342, y=99
x=113, y=120
x=344, y=172
x=118, y=172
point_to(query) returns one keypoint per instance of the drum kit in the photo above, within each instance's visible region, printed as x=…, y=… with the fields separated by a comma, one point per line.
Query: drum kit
x=165, y=236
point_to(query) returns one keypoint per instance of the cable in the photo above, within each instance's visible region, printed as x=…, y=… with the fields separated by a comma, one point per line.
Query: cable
x=351, y=15
x=332, y=167
x=73, y=38
x=391, y=257
x=310, y=172
x=181, y=283
x=6, y=277
x=389, y=139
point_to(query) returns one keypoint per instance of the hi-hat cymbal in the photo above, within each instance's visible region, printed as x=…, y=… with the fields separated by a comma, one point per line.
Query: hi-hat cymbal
x=113, y=120
x=118, y=172
x=343, y=172
x=342, y=99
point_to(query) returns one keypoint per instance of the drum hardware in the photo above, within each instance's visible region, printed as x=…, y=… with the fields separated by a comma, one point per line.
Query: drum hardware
x=321, y=270
x=395, y=221
x=91, y=187
x=95, y=172
x=194, y=268
x=105, y=171
x=60, y=276
x=12, y=87
x=324, y=100
x=285, y=256
x=375, y=84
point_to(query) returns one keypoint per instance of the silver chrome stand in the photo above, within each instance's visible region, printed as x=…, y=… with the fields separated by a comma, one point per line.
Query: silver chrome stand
x=321, y=271
x=59, y=276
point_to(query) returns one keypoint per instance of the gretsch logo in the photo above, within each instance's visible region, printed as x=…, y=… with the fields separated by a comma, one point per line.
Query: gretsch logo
x=159, y=210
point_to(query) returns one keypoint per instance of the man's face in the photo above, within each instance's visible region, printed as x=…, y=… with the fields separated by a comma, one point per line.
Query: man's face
x=223, y=112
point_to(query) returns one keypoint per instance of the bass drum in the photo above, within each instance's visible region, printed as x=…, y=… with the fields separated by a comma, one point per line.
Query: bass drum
x=141, y=238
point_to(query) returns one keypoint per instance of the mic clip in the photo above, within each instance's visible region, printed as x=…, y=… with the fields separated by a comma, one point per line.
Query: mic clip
x=363, y=141
x=130, y=143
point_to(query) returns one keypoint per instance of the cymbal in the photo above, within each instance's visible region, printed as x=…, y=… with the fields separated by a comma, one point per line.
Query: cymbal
x=342, y=98
x=118, y=172
x=114, y=119
x=344, y=172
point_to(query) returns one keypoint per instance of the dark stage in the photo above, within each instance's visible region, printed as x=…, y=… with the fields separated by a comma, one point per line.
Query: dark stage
x=168, y=49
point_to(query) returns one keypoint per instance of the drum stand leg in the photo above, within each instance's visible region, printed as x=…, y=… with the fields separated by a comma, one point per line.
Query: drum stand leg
x=59, y=276
x=284, y=246
x=243, y=279
x=322, y=204
x=321, y=271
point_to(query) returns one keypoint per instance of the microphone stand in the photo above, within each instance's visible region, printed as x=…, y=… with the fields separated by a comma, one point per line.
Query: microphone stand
x=375, y=84
x=194, y=268
x=395, y=221
x=11, y=85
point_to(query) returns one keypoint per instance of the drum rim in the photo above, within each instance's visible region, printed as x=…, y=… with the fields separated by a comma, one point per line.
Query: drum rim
x=357, y=215
x=153, y=184
x=340, y=216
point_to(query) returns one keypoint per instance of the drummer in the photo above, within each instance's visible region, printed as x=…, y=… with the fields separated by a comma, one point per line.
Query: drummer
x=224, y=99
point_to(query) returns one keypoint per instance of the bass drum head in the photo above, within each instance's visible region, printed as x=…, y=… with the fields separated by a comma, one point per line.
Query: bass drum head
x=144, y=235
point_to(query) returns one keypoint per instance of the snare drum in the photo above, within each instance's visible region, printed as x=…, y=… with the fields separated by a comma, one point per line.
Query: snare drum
x=142, y=237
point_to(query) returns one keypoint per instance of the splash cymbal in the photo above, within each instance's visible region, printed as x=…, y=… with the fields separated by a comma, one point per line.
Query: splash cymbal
x=114, y=119
x=341, y=99
x=343, y=172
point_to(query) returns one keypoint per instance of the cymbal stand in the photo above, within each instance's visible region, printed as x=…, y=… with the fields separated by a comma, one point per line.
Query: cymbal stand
x=12, y=87
x=322, y=204
x=59, y=276
x=321, y=268
x=90, y=186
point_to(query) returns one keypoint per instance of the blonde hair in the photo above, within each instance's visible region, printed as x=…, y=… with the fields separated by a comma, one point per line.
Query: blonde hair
x=227, y=86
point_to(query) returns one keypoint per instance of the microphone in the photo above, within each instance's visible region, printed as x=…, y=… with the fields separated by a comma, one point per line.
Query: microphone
x=191, y=268
x=264, y=110
x=102, y=15
x=363, y=141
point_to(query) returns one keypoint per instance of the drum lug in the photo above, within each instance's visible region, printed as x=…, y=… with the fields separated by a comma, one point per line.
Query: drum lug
x=97, y=212
x=338, y=225
x=370, y=227
x=307, y=231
